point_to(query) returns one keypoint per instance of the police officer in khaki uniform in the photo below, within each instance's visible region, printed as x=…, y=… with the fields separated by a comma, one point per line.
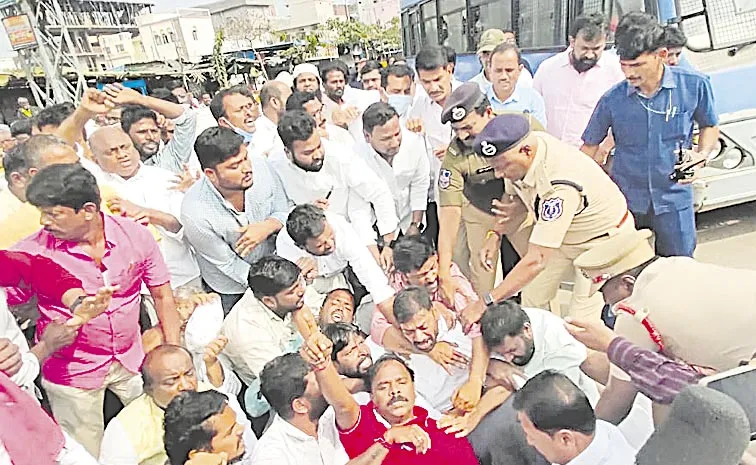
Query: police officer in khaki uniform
x=575, y=207
x=695, y=312
x=467, y=190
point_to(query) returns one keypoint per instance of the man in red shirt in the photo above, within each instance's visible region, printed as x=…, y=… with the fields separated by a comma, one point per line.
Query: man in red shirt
x=390, y=426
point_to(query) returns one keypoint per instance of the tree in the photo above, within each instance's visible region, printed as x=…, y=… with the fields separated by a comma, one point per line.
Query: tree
x=375, y=38
x=248, y=29
x=305, y=48
x=219, y=61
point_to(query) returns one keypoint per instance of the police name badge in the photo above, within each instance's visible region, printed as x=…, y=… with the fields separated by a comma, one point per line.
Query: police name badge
x=551, y=209
x=444, y=178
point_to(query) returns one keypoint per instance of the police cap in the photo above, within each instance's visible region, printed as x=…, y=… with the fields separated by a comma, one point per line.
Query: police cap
x=461, y=102
x=614, y=256
x=501, y=134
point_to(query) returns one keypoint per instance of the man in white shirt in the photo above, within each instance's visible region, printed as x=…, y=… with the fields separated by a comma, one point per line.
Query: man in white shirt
x=315, y=171
x=259, y=327
x=312, y=104
x=343, y=103
x=146, y=194
x=324, y=244
x=398, y=157
x=235, y=108
x=532, y=340
x=273, y=97
x=421, y=324
x=560, y=423
x=398, y=82
x=304, y=429
x=135, y=435
x=435, y=75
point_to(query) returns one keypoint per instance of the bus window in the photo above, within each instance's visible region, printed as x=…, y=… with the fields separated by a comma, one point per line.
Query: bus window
x=541, y=23
x=430, y=23
x=487, y=14
x=718, y=25
x=452, y=26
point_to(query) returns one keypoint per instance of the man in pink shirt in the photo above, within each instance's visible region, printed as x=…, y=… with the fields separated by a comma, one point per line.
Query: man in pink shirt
x=417, y=265
x=572, y=82
x=100, y=250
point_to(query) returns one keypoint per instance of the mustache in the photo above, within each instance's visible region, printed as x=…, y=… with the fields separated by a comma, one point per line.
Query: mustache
x=395, y=399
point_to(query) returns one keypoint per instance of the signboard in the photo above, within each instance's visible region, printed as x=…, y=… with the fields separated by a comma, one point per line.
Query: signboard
x=20, y=32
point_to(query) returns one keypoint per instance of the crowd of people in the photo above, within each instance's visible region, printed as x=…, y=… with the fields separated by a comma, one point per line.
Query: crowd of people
x=309, y=275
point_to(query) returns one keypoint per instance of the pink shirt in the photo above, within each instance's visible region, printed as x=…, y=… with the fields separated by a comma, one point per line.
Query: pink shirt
x=570, y=96
x=132, y=257
x=465, y=295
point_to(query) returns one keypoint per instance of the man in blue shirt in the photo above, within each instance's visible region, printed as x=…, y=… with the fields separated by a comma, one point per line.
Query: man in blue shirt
x=651, y=115
x=505, y=94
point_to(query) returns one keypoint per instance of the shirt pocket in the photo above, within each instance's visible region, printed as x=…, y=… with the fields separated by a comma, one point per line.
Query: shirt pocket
x=678, y=128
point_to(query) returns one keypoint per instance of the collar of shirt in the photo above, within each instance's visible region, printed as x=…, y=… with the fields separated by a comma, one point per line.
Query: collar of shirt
x=75, y=247
x=604, y=449
x=421, y=416
x=515, y=97
x=668, y=82
x=211, y=188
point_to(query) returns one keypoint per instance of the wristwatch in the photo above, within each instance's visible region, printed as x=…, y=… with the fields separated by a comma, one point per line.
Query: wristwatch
x=417, y=224
x=77, y=302
x=488, y=299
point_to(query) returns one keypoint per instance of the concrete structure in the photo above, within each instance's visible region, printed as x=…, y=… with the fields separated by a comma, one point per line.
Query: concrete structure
x=246, y=23
x=367, y=11
x=304, y=15
x=122, y=49
x=185, y=34
x=85, y=22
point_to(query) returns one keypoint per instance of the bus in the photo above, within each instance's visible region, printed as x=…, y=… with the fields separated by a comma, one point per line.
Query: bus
x=721, y=44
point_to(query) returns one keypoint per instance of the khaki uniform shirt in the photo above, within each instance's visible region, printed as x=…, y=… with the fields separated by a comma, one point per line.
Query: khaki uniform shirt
x=702, y=312
x=466, y=175
x=570, y=196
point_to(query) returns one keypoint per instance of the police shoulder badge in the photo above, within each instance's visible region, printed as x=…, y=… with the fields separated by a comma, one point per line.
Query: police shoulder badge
x=458, y=113
x=552, y=209
x=444, y=178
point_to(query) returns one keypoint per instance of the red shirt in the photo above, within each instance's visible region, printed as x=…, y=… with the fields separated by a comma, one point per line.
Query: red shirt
x=132, y=258
x=37, y=273
x=445, y=449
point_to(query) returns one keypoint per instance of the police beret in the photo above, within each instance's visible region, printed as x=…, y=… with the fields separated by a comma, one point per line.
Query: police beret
x=461, y=102
x=616, y=255
x=501, y=134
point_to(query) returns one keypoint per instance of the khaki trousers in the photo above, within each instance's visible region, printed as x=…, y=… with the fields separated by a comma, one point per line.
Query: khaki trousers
x=542, y=291
x=474, y=226
x=79, y=411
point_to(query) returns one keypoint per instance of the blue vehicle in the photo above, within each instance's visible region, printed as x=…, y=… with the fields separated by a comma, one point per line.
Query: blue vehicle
x=721, y=43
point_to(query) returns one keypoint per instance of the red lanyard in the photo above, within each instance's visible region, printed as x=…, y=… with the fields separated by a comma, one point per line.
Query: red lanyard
x=650, y=327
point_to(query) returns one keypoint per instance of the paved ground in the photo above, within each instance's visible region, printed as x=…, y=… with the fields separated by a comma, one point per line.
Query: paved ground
x=728, y=236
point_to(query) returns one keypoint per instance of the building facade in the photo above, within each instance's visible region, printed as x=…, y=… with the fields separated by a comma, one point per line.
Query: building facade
x=185, y=34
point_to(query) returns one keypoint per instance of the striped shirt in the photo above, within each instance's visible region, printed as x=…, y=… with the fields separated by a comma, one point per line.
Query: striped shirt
x=658, y=377
x=213, y=226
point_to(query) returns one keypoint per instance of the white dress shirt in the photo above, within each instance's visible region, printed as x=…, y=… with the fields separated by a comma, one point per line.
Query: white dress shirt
x=150, y=187
x=609, y=447
x=431, y=379
x=556, y=349
x=29, y=363
x=340, y=135
x=72, y=453
x=265, y=139
x=354, y=187
x=407, y=177
x=437, y=135
x=285, y=444
x=349, y=250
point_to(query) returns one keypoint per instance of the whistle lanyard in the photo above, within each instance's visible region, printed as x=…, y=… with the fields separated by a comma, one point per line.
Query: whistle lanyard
x=650, y=327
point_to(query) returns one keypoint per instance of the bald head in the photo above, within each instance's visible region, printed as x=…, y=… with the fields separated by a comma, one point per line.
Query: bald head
x=273, y=96
x=167, y=371
x=114, y=151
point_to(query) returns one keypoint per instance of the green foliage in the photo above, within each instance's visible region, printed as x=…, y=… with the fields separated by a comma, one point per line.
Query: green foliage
x=305, y=48
x=220, y=72
x=371, y=37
